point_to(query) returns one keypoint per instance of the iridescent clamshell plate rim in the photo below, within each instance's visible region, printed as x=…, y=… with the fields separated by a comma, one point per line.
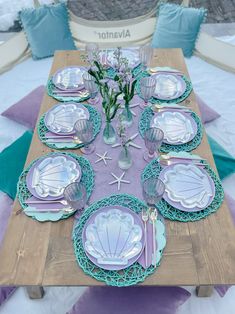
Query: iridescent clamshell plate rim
x=30, y=175
x=91, y=220
x=59, y=71
x=178, y=93
x=133, y=63
x=51, y=112
x=178, y=204
x=189, y=119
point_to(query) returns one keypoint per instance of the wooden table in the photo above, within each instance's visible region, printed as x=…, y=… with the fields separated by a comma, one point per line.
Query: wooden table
x=41, y=254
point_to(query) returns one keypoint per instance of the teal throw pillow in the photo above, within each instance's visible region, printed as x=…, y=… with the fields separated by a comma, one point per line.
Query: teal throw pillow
x=47, y=29
x=225, y=163
x=178, y=27
x=12, y=160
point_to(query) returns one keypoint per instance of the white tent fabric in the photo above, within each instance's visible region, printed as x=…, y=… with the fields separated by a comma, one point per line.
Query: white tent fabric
x=131, y=32
x=214, y=85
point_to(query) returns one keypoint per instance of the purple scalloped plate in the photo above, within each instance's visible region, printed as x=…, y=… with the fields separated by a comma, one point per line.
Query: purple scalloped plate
x=186, y=115
x=30, y=176
x=180, y=91
x=56, y=79
x=91, y=220
x=177, y=204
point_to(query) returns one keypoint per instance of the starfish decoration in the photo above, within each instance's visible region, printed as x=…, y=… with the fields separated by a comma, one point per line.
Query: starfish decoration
x=103, y=158
x=20, y=253
x=119, y=180
x=131, y=143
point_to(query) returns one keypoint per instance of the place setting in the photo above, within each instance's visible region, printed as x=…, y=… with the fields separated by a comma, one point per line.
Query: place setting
x=120, y=239
x=182, y=127
x=192, y=188
x=60, y=128
x=67, y=84
x=162, y=85
x=55, y=186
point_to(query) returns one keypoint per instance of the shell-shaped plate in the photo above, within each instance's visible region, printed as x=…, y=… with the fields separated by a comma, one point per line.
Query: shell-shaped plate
x=168, y=86
x=52, y=175
x=178, y=128
x=131, y=55
x=62, y=117
x=69, y=78
x=113, y=238
x=189, y=185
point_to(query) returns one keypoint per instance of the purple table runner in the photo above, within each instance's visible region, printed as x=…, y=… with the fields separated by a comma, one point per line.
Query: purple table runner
x=103, y=172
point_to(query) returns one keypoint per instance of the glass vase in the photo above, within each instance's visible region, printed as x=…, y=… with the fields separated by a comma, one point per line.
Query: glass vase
x=109, y=134
x=127, y=116
x=125, y=159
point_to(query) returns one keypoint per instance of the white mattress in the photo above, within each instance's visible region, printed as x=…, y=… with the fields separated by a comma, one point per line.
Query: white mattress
x=213, y=85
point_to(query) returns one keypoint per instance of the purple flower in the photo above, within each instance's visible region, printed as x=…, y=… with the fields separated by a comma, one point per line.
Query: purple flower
x=103, y=81
x=94, y=68
x=113, y=85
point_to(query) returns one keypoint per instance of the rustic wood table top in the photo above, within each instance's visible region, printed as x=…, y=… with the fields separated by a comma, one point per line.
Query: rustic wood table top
x=197, y=253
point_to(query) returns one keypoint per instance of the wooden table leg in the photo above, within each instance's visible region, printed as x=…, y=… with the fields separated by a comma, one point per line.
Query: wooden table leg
x=35, y=292
x=204, y=291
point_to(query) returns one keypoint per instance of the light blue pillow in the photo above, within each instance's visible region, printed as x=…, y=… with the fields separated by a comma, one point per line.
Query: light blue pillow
x=178, y=27
x=47, y=29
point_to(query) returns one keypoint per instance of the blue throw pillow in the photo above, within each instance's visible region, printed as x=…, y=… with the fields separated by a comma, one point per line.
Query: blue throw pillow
x=178, y=27
x=47, y=29
x=225, y=163
x=12, y=160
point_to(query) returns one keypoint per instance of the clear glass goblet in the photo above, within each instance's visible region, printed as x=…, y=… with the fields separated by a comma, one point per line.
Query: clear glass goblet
x=153, y=138
x=153, y=190
x=91, y=86
x=76, y=196
x=91, y=49
x=145, y=55
x=147, y=88
x=84, y=131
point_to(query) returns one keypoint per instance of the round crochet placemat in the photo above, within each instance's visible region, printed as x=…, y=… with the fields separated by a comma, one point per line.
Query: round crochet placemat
x=153, y=169
x=95, y=117
x=126, y=277
x=144, y=124
x=87, y=179
x=154, y=100
x=50, y=88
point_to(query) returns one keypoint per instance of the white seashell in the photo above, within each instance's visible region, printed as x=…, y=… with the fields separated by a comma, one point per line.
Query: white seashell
x=61, y=118
x=53, y=174
x=188, y=185
x=176, y=127
x=113, y=238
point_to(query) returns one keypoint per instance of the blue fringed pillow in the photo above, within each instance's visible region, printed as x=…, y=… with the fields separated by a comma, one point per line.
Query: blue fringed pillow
x=47, y=29
x=178, y=27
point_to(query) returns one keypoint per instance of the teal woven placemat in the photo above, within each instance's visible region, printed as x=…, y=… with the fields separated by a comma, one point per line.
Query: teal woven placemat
x=87, y=179
x=153, y=100
x=126, y=277
x=95, y=117
x=144, y=124
x=153, y=169
x=51, y=86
